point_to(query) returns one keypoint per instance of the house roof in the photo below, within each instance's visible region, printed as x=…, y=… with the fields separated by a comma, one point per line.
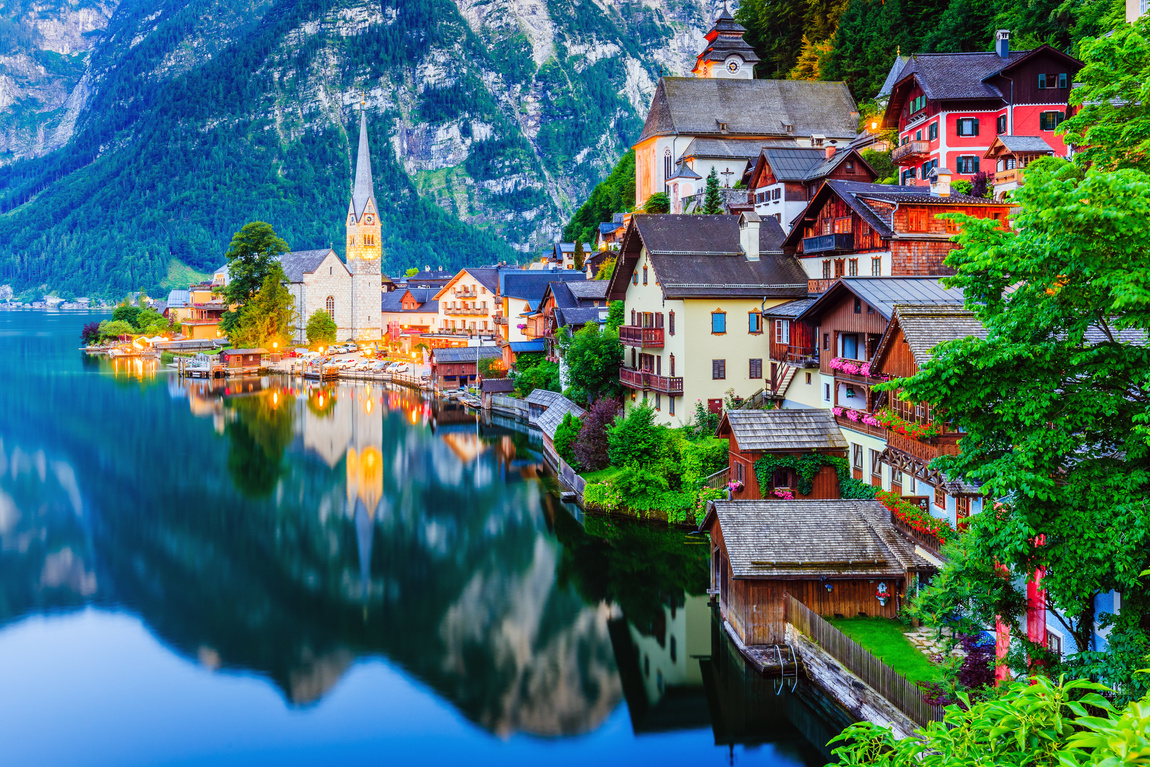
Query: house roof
x=550, y=420
x=465, y=354
x=784, y=430
x=701, y=256
x=892, y=77
x=726, y=38
x=579, y=315
x=238, y=352
x=300, y=262
x=732, y=148
x=607, y=227
x=792, y=163
x=531, y=285
x=683, y=170
x=487, y=276
x=701, y=106
x=544, y=397
x=496, y=385
x=1018, y=145
x=392, y=301
x=925, y=326
x=883, y=293
x=178, y=299
x=587, y=290
x=790, y=309
x=811, y=539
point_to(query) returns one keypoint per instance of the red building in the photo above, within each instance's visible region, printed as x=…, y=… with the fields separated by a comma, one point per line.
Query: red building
x=783, y=434
x=949, y=107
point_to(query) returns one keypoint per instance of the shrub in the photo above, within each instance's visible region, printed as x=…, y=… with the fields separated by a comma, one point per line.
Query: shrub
x=591, y=449
x=565, y=436
x=635, y=440
x=91, y=333
x=705, y=423
x=602, y=495
x=320, y=329
x=702, y=458
x=542, y=376
x=113, y=329
x=643, y=490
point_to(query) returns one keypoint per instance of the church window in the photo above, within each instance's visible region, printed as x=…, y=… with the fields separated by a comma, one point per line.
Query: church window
x=330, y=306
x=351, y=240
x=331, y=270
x=666, y=164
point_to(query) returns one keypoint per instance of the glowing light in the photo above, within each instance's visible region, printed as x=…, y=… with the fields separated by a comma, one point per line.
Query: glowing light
x=367, y=407
x=321, y=400
x=275, y=398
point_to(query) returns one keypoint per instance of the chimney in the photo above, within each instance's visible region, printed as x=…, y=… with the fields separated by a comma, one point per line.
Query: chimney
x=940, y=182
x=830, y=150
x=1002, y=43
x=749, y=234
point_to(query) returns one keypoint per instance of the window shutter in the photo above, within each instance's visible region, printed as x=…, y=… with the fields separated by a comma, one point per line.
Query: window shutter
x=974, y=122
x=1041, y=82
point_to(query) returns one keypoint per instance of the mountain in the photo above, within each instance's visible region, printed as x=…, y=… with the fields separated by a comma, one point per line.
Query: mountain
x=137, y=135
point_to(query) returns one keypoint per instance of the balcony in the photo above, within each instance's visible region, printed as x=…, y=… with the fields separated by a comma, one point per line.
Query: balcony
x=910, y=153
x=465, y=293
x=636, y=335
x=819, y=286
x=829, y=243
x=477, y=311
x=1012, y=176
x=640, y=380
x=803, y=356
x=923, y=450
x=859, y=426
x=499, y=319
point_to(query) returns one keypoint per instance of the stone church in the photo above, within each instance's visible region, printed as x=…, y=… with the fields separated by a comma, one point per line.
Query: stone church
x=350, y=292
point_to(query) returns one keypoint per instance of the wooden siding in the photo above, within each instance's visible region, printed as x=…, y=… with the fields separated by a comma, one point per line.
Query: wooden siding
x=756, y=608
x=842, y=319
x=825, y=484
x=865, y=238
x=1025, y=80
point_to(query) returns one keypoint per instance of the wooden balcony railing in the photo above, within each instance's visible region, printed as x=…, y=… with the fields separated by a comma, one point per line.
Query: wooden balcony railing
x=910, y=152
x=931, y=543
x=819, y=286
x=805, y=356
x=828, y=243
x=640, y=380
x=478, y=310
x=636, y=335
x=926, y=451
x=859, y=426
x=499, y=319
x=1011, y=176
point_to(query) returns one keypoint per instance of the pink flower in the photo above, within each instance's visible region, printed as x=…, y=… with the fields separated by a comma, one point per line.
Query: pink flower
x=870, y=420
x=853, y=415
x=864, y=369
x=837, y=410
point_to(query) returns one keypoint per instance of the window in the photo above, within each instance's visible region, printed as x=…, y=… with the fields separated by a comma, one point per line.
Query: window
x=962, y=507
x=908, y=177
x=644, y=275
x=826, y=392
x=782, y=331
x=850, y=166
x=967, y=164
x=1050, y=120
x=718, y=323
x=917, y=104
x=826, y=341
x=826, y=269
x=876, y=266
x=672, y=370
x=840, y=267
x=671, y=404
x=1053, y=640
x=718, y=369
x=853, y=267
x=1042, y=81
x=857, y=456
x=875, y=463
x=808, y=379
x=671, y=323
x=932, y=131
x=940, y=497
x=658, y=400
x=754, y=322
x=858, y=305
x=1000, y=125
x=330, y=306
x=666, y=164
x=916, y=220
x=756, y=369
x=632, y=316
x=1062, y=80
x=968, y=126
x=331, y=270
x=634, y=278
x=918, y=135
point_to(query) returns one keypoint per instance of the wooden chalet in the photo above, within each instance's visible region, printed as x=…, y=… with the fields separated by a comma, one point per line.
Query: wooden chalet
x=457, y=366
x=752, y=434
x=783, y=179
x=1011, y=154
x=907, y=345
x=852, y=229
x=243, y=359
x=834, y=556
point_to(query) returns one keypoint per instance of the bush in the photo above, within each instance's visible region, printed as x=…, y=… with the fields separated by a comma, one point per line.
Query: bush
x=702, y=458
x=127, y=313
x=705, y=423
x=91, y=333
x=565, y=438
x=545, y=375
x=114, y=329
x=166, y=358
x=591, y=449
x=961, y=186
x=320, y=329
x=643, y=490
x=635, y=440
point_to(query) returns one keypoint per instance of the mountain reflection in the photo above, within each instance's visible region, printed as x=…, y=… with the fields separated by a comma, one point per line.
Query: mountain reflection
x=292, y=531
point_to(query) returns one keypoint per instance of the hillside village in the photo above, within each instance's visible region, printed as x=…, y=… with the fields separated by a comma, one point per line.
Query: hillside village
x=783, y=282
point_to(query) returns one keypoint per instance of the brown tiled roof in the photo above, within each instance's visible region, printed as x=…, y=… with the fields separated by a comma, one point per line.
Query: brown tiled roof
x=785, y=430
x=812, y=539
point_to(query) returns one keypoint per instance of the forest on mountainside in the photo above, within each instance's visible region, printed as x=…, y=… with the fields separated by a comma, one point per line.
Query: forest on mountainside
x=614, y=194
x=857, y=40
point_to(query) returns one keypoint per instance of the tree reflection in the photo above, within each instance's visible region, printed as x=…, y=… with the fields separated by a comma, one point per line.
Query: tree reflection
x=258, y=435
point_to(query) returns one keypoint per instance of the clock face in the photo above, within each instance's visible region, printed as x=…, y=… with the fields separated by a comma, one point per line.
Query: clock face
x=733, y=65
x=370, y=219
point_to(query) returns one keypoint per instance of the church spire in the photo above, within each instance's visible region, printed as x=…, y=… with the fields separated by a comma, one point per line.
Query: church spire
x=363, y=190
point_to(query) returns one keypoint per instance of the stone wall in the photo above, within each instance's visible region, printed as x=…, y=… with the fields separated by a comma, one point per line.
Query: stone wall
x=330, y=278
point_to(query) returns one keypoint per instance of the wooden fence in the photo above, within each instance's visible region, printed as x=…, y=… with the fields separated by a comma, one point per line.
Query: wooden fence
x=896, y=688
x=719, y=480
x=509, y=405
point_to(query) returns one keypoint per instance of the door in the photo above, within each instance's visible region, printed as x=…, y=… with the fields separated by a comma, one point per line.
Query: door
x=715, y=406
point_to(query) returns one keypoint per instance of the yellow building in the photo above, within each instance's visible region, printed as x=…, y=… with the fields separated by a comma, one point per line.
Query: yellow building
x=694, y=289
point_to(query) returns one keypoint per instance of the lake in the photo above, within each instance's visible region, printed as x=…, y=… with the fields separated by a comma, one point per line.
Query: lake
x=262, y=572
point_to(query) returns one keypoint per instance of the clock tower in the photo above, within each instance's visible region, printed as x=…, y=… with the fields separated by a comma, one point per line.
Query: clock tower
x=727, y=54
x=364, y=249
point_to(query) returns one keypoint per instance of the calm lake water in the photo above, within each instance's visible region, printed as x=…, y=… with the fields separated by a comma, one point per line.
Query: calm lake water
x=263, y=573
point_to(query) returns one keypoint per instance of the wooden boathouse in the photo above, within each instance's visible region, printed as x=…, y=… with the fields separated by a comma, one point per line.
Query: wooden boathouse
x=791, y=434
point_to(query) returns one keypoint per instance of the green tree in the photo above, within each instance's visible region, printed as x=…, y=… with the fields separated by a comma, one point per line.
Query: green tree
x=566, y=434
x=320, y=329
x=1032, y=723
x=1112, y=126
x=579, y=258
x=128, y=313
x=490, y=367
x=593, y=357
x=113, y=329
x=1061, y=432
x=885, y=170
x=411, y=272
x=252, y=255
x=712, y=200
x=267, y=316
x=636, y=440
x=659, y=202
x=615, y=194
x=616, y=315
x=606, y=268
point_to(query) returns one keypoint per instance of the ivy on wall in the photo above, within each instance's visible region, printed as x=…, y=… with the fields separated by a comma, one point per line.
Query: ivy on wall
x=806, y=468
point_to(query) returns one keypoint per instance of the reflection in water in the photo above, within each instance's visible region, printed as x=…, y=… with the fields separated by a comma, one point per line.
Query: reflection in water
x=265, y=527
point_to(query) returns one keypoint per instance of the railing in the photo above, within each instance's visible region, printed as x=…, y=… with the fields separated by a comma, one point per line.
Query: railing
x=500, y=319
x=477, y=310
x=931, y=543
x=632, y=379
x=946, y=444
x=874, y=431
x=828, y=243
x=910, y=152
x=636, y=335
x=806, y=356
x=638, y=379
x=719, y=480
x=896, y=688
x=855, y=378
x=465, y=293
x=820, y=286
x=1011, y=176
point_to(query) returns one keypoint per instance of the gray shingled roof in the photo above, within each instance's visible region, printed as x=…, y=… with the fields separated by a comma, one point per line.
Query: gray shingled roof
x=588, y=290
x=892, y=77
x=465, y=354
x=733, y=148
x=363, y=189
x=178, y=299
x=392, y=301
x=497, y=385
x=579, y=315
x=785, y=430
x=530, y=285
x=957, y=75
x=812, y=539
x=790, y=309
x=1026, y=144
x=300, y=262
x=487, y=276
x=925, y=326
x=696, y=106
x=728, y=40
x=550, y=420
x=883, y=293
x=792, y=164
x=544, y=397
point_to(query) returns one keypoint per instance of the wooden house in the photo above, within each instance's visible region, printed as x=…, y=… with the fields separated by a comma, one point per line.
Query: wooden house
x=1011, y=154
x=459, y=366
x=243, y=359
x=837, y=557
x=752, y=434
x=783, y=179
x=907, y=345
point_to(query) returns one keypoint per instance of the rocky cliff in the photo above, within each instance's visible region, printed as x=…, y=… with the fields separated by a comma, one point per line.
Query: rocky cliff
x=138, y=135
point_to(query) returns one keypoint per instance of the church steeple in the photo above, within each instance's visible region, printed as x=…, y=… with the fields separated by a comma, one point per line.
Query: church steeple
x=727, y=54
x=364, y=189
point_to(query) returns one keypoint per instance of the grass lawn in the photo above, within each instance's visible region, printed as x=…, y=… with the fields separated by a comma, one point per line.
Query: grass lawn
x=602, y=475
x=885, y=638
